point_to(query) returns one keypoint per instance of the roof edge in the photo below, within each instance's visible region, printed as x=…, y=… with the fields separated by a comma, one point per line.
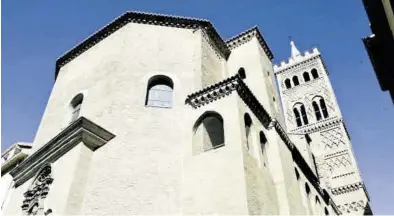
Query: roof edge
x=144, y=18
x=245, y=36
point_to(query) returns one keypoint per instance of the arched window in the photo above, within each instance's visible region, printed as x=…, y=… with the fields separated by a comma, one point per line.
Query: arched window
x=323, y=108
x=76, y=104
x=319, y=106
x=317, y=110
x=263, y=142
x=297, y=116
x=306, y=76
x=159, y=93
x=288, y=83
x=242, y=73
x=315, y=75
x=295, y=81
x=297, y=173
x=248, y=125
x=208, y=132
x=303, y=114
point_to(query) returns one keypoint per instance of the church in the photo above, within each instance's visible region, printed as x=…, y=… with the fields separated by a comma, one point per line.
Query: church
x=157, y=114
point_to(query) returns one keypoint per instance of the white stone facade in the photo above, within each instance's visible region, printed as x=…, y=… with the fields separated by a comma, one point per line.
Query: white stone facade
x=218, y=149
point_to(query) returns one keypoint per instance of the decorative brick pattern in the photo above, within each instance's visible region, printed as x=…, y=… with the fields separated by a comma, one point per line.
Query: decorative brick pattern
x=332, y=138
x=353, y=207
x=338, y=162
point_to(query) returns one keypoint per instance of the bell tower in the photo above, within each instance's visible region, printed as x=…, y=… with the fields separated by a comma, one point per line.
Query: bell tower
x=310, y=107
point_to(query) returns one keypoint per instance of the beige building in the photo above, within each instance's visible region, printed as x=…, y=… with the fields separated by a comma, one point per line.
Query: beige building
x=157, y=114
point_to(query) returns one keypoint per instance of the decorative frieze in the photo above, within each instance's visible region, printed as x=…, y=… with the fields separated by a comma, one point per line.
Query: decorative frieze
x=339, y=161
x=353, y=207
x=347, y=188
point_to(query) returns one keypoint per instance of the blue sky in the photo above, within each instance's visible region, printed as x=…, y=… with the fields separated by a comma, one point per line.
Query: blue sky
x=36, y=33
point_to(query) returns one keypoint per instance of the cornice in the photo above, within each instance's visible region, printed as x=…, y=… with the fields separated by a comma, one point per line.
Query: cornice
x=143, y=18
x=246, y=36
x=82, y=130
x=226, y=87
x=212, y=92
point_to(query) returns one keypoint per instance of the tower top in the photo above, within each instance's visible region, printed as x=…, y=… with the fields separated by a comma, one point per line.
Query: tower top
x=294, y=51
x=295, y=58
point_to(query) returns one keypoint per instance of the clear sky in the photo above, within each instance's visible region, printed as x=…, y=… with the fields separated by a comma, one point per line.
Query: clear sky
x=36, y=33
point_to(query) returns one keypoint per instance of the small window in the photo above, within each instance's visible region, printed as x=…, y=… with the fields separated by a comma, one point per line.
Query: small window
x=326, y=211
x=263, y=142
x=295, y=81
x=76, y=104
x=288, y=83
x=159, y=93
x=306, y=77
x=263, y=138
x=315, y=75
x=297, y=116
x=248, y=125
x=242, y=73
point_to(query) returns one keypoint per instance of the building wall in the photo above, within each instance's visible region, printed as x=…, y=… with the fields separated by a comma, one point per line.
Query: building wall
x=213, y=66
x=149, y=167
